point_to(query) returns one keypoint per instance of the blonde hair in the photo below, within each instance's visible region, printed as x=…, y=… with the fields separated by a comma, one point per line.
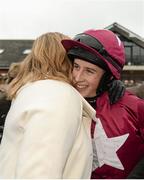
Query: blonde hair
x=47, y=60
x=13, y=71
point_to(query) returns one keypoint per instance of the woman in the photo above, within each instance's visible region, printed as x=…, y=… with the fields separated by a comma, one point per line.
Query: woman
x=46, y=131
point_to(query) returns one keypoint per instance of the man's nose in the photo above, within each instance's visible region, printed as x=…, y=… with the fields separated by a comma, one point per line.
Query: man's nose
x=79, y=76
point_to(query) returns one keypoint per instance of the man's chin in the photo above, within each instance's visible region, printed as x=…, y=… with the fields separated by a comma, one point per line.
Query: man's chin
x=83, y=94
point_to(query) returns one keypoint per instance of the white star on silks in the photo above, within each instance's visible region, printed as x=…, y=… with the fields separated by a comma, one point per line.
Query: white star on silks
x=105, y=148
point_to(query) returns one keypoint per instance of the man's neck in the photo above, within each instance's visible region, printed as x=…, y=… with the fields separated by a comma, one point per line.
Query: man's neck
x=91, y=101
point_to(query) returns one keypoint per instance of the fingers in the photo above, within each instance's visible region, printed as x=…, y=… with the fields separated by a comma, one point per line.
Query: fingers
x=117, y=95
x=116, y=91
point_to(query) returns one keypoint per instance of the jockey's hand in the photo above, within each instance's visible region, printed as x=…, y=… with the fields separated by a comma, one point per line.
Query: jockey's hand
x=116, y=90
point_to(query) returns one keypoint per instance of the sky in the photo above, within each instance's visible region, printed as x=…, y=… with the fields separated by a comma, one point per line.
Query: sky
x=28, y=19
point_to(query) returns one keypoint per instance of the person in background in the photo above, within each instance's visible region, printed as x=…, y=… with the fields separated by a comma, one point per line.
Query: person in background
x=98, y=57
x=4, y=102
x=137, y=90
x=13, y=71
x=4, y=107
x=47, y=129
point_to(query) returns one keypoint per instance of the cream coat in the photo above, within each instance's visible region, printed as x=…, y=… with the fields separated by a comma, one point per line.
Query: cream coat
x=47, y=133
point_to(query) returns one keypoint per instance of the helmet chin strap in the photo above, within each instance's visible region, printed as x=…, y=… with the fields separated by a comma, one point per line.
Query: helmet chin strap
x=103, y=85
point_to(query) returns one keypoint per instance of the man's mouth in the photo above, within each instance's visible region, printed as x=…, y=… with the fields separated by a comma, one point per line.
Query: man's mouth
x=78, y=86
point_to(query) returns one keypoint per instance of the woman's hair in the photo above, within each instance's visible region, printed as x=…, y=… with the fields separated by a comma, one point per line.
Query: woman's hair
x=47, y=60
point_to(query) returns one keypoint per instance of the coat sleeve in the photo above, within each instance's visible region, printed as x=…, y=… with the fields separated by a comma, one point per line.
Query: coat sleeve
x=138, y=170
x=141, y=117
x=49, y=134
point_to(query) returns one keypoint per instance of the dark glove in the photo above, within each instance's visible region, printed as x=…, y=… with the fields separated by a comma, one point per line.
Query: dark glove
x=116, y=90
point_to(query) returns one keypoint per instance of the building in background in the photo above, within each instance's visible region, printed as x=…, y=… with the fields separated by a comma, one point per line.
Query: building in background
x=12, y=51
x=16, y=50
x=134, y=47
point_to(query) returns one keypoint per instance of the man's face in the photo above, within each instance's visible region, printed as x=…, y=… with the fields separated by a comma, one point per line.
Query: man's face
x=86, y=77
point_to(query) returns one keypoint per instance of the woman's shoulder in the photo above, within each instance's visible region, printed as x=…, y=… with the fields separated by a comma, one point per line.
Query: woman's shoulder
x=49, y=90
x=45, y=86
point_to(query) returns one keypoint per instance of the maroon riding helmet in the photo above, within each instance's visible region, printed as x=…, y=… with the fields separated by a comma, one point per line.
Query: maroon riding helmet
x=100, y=47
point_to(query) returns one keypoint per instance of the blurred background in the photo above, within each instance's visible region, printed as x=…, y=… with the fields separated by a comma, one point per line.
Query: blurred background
x=24, y=20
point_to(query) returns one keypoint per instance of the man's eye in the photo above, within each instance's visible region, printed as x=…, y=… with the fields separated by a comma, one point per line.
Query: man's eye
x=90, y=71
x=75, y=66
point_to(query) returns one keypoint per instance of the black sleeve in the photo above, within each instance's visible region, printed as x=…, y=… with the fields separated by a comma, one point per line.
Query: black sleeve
x=4, y=108
x=138, y=171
